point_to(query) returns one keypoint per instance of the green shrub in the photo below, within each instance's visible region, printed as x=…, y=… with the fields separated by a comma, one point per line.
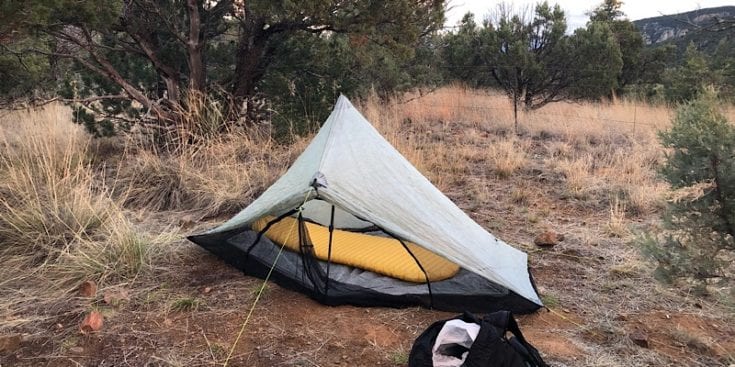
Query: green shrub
x=700, y=220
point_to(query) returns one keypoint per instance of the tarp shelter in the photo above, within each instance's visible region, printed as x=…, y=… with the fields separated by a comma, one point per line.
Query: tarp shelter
x=351, y=183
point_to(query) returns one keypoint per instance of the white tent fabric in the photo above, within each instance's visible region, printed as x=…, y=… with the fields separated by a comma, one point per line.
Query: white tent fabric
x=357, y=170
x=319, y=211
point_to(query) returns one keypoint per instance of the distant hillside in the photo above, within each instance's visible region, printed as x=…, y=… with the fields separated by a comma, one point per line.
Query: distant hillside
x=691, y=27
x=684, y=27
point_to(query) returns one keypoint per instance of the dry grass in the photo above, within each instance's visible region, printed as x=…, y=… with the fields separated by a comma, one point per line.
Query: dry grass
x=600, y=150
x=47, y=200
x=506, y=156
x=616, y=225
x=219, y=176
x=58, y=225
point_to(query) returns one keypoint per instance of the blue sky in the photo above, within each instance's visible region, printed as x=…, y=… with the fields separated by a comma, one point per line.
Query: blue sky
x=576, y=9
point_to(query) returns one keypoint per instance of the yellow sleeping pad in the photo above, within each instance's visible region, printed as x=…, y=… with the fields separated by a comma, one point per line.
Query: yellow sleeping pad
x=378, y=254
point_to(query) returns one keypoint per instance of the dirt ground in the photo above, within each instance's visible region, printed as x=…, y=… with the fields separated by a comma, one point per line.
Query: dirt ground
x=289, y=329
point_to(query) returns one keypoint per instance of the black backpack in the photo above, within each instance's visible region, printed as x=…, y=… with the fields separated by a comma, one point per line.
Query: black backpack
x=491, y=348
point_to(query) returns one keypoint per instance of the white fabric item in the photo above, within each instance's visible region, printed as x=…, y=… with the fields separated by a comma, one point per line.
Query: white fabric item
x=360, y=172
x=453, y=332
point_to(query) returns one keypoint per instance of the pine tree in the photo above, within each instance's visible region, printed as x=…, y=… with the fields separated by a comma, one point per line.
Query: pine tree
x=701, y=224
x=527, y=54
x=687, y=81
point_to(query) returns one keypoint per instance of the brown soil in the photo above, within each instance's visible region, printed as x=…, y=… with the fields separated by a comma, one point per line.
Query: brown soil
x=289, y=329
x=676, y=334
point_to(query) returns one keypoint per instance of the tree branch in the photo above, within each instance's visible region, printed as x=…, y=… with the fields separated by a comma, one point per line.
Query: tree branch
x=107, y=70
x=169, y=75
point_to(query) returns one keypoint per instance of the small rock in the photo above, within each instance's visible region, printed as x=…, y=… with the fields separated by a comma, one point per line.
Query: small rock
x=187, y=221
x=639, y=338
x=76, y=350
x=207, y=290
x=548, y=239
x=92, y=323
x=88, y=289
x=10, y=343
x=114, y=297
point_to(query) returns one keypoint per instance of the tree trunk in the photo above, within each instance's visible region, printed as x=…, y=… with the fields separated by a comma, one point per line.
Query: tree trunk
x=516, y=98
x=194, y=47
x=725, y=211
x=252, y=57
x=167, y=73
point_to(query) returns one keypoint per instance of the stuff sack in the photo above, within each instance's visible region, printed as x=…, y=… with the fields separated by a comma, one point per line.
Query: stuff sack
x=492, y=346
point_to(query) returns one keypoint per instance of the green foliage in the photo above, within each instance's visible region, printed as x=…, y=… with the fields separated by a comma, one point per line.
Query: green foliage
x=701, y=225
x=599, y=73
x=460, y=54
x=21, y=75
x=158, y=60
x=530, y=57
x=524, y=54
x=694, y=76
x=309, y=73
x=607, y=12
x=636, y=62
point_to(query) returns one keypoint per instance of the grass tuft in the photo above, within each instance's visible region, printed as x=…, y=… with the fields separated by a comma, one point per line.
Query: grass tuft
x=186, y=304
x=398, y=357
x=617, y=225
x=507, y=156
x=59, y=225
x=54, y=214
x=217, y=177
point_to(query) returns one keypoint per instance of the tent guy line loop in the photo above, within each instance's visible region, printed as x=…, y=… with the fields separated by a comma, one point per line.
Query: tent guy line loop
x=262, y=287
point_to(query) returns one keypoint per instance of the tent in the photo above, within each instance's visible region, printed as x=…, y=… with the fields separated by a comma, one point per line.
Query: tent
x=353, y=222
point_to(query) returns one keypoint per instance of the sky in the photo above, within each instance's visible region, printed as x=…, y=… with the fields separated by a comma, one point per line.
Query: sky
x=576, y=10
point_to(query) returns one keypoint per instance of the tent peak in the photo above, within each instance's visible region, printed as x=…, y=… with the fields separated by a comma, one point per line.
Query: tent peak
x=319, y=180
x=343, y=103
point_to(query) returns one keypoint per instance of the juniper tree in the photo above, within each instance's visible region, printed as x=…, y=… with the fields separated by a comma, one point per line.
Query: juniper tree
x=701, y=225
x=158, y=57
x=528, y=55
